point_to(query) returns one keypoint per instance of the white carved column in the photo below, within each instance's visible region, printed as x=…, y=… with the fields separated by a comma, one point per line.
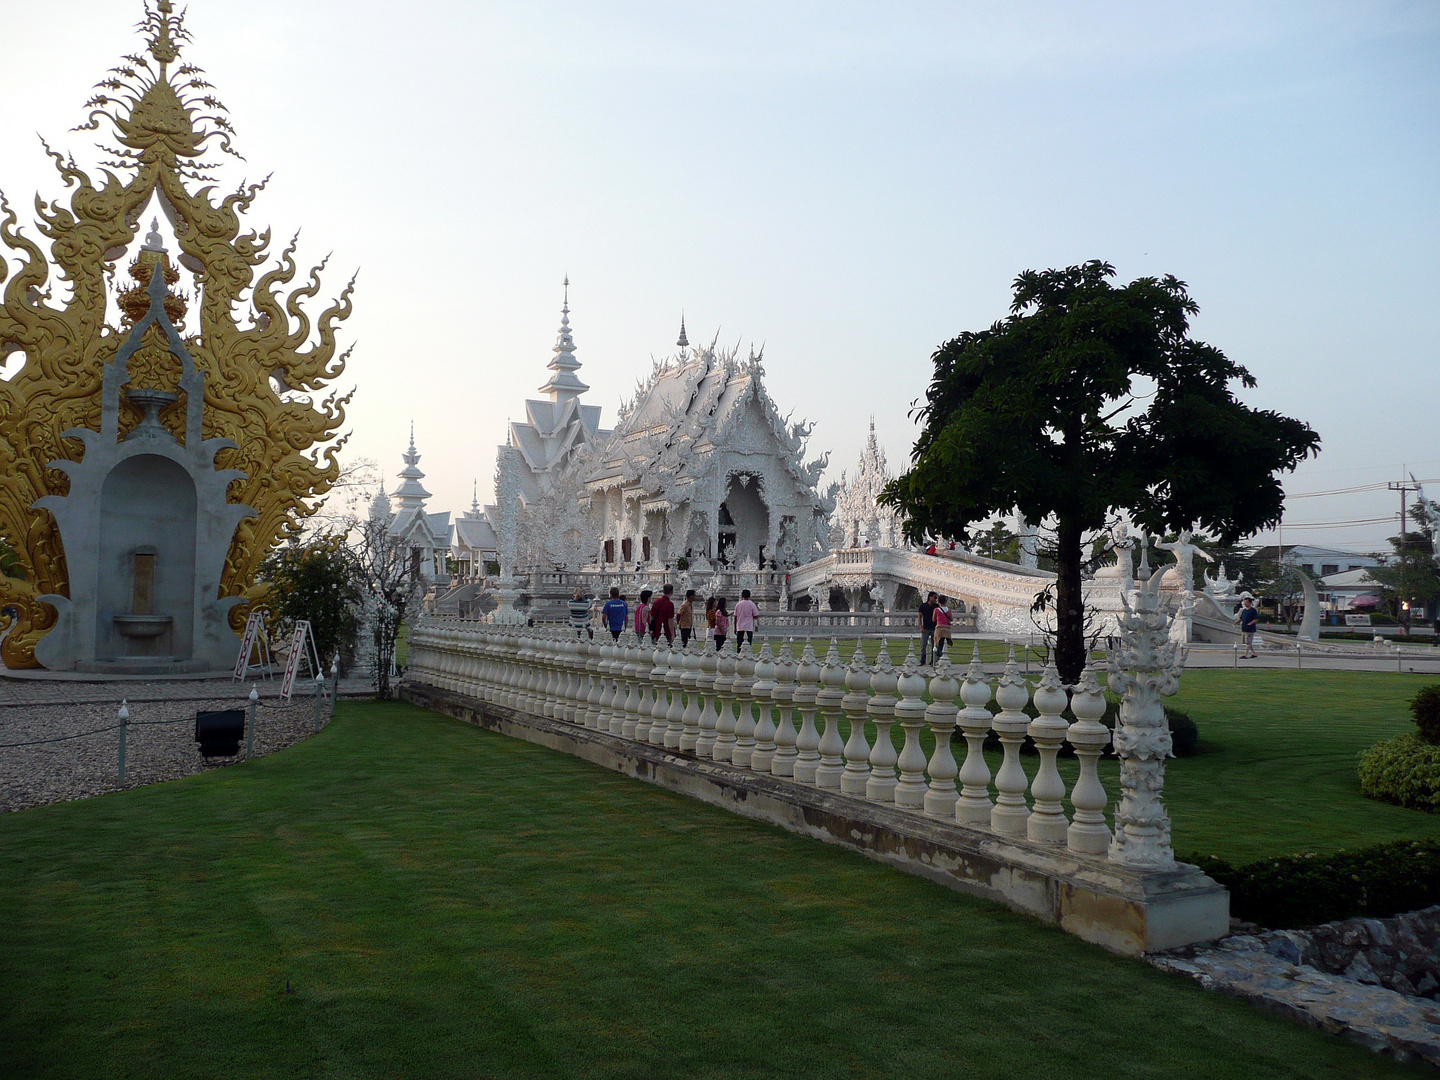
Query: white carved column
x=1088, y=833
x=675, y=718
x=783, y=695
x=1010, y=813
x=1146, y=669
x=664, y=676
x=724, y=747
x=690, y=718
x=763, y=755
x=910, y=714
x=807, y=742
x=830, y=700
x=857, y=747
x=1047, y=818
x=973, y=806
x=744, y=707
x=705, y=688
x=626, y=666
x=883, y=681
x=941, y=796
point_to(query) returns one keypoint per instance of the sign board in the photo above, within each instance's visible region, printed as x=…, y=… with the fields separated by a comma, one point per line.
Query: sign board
x=254, y=627
x=1357, y=620
x=292, y=664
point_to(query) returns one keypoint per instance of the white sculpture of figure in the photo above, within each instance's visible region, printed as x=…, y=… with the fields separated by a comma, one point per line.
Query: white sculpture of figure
x=1124, y=556
x=1029, y=542
x=1185, y=553
x=1144, y=669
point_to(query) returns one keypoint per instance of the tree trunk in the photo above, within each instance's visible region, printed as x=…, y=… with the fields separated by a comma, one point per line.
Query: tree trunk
x=1069, y=605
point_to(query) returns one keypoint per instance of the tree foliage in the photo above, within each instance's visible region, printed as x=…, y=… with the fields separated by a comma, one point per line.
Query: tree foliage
x=1042, y=413
x=1409, y=576
x=316, y=579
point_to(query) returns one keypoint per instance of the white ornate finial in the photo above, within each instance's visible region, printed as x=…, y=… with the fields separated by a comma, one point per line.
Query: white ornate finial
x=565, y=306
x=153, y=241
x=683, y=342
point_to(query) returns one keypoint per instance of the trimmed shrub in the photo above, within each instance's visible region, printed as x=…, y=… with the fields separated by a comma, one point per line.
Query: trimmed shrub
x=1425, y=708
x=1404, y=770
x=1303, y=890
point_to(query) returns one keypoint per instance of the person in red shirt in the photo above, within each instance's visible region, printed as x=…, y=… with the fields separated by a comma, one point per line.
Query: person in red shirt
x=662, y=615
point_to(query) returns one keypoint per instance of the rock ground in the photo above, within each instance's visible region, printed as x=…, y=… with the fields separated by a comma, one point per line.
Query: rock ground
x=160, y=739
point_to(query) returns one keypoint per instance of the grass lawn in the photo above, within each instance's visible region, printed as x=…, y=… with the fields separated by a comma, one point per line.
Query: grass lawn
x=408, y=896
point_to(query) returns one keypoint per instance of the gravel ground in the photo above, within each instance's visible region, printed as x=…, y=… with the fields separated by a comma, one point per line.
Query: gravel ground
x=78, y=768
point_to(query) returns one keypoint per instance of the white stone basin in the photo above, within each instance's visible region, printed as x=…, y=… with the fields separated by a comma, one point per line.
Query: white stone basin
x=142, y=626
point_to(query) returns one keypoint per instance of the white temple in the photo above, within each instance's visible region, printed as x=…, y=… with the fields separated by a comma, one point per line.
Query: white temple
x=859, y=520
x=427, y=535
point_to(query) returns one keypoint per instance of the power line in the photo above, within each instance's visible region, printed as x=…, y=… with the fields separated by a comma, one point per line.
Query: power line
x=1381, y=486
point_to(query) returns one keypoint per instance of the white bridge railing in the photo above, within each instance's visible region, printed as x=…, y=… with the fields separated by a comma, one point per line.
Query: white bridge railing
x=805, y=719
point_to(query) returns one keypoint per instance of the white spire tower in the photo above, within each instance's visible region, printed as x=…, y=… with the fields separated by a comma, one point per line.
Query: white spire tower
x=411, y=494
x=564, y=384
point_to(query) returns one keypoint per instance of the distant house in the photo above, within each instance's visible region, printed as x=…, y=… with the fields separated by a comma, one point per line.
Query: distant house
x=1318, y=562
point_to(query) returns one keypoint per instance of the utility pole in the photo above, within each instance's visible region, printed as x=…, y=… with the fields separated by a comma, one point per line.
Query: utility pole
x=1402, y=546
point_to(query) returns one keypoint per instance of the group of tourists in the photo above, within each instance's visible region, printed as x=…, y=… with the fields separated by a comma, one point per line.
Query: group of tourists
x=658, y=616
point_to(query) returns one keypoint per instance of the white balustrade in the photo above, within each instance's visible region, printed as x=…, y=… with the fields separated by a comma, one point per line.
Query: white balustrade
x=783, y=695
x=675, y=717
x=744, y=707
x=1088, y=833
x=941, y=796
x=764, y=753
x=1010, y=813
x=974, y=806
x=883, y=680
x=857, y=747
x=705, y=688
x=726, y=663
x=1047, y=817
x=829, y=702
x=807, y=740
x=690, y=718
x=910, y=714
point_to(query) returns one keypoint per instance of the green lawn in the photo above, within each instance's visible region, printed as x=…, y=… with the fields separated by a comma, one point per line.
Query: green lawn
x=407, y=896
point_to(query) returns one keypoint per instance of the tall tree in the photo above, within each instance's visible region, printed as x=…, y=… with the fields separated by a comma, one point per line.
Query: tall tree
x=319, y=580
x=1409, y=576
x=1041, y=413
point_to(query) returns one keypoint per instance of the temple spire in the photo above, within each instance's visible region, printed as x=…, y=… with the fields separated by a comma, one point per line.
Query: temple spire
x=411, y=493
x=564, y=384
x=684, y=342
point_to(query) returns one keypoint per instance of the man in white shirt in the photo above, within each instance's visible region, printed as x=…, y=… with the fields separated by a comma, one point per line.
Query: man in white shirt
x=746, y=614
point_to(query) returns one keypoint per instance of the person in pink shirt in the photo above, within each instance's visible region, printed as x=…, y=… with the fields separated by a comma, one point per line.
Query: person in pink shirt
x=746, y=615
x=642, y=614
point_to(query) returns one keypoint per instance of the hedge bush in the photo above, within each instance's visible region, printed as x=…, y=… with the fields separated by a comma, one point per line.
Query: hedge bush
x=1303, y=890
x=1403, y=770
x=1425, y=708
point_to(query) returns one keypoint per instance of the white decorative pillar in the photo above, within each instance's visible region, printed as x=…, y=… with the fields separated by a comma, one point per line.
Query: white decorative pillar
x=1145, y=669
x=637, y=669
x=807, y=742
x=783, y=763
x=763, y=755
x=661, y=675
x=1010, y=813
x=690, y=718
x=675, y=718
x=705, y=687
x=973, y=806
x=830, y=700
x=744, y=707
x=725, y=673
x=941, y=796
x=910, y=713
x=656, y=680
x=1047, y=820
x=857, y=747
x=883, y=681
x=1088, y=833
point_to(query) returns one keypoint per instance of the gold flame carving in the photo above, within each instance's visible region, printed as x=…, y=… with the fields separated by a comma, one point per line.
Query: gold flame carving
x=165, y=122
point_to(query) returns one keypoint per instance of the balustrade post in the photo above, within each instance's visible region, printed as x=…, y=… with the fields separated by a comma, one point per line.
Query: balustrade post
x=829, y=700
x=690, y=681
x=1088, y=833
x=675, y=717
x=726, y=664
x=941, y=796
x=974, y=807
x=807, y=742
x=1147, y=669
x=705, y=687
x=857, y=746
x=1010, y=812
x=549, y=674
x=579, y=680
x=1047, y=819
x=608, y=685
x=660, y=705
x=651, y=677
x=910, y=714
x=626, y=665
x=763, y=756
x=883, y=681
x=744, y=707
x=639, y=659
x=783, y=763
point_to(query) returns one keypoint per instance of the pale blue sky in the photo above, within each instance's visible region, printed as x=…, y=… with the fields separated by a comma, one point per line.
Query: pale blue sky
x=849, y=183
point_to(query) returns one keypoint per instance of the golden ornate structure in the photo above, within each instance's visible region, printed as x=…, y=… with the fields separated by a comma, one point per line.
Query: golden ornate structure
x=166, y=122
